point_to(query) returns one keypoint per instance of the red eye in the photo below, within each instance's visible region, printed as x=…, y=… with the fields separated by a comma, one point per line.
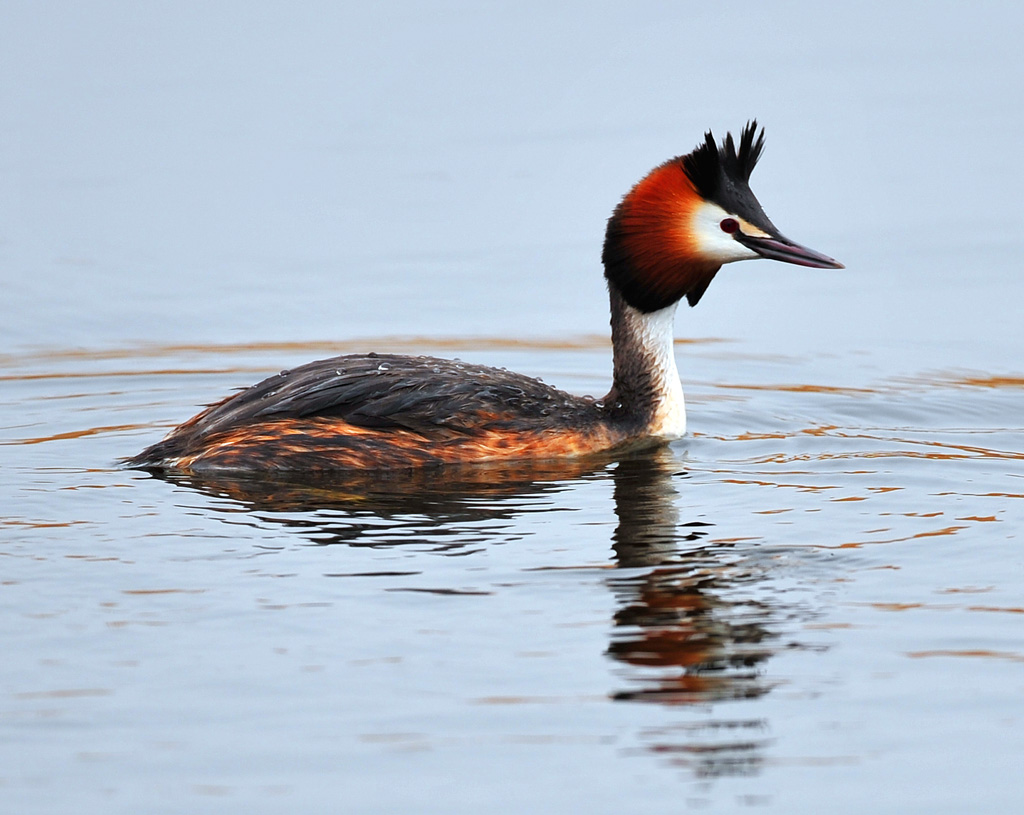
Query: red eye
x=729, y=225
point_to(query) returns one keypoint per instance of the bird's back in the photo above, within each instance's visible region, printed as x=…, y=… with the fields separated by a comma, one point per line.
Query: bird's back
x=382, y=411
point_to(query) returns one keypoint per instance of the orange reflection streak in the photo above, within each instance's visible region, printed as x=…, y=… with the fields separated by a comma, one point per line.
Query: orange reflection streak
x=968, y=590
x=800, y=487
x=39, y=524
x=800, y=388
x=942, y=607
x=944, y=530
x=984, y=654
x=962, y=451
x=984, y=494
x=396, y=344
x=313, y=346
x=411, y=345
x=971, y=451
x=158, y=372
x=989, y=381
x=78, y=434
x=948, y=530
x=755, y=436
x=900, y=384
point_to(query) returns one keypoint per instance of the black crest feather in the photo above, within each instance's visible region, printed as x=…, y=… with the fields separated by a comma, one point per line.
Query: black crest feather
x=711, y=167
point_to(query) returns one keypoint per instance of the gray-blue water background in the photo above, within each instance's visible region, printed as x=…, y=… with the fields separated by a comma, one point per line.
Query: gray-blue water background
x=813, y=603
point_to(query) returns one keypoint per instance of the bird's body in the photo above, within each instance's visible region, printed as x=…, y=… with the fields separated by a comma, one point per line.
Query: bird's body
x=387, y=411
x=665, y=241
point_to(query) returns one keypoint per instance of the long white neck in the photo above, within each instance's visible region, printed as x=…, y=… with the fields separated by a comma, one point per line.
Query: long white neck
x=646, y=381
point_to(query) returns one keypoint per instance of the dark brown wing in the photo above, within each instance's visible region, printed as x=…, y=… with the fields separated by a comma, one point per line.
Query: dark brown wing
x=386, y=390
x=435, y=398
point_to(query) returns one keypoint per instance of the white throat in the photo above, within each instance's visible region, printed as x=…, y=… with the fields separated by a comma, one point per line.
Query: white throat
x=645, y=361
x=656, y=332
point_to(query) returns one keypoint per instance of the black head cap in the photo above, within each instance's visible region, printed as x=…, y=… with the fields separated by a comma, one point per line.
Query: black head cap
x=721, y=174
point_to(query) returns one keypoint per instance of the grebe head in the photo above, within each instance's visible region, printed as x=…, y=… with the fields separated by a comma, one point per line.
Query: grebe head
x=674, y=230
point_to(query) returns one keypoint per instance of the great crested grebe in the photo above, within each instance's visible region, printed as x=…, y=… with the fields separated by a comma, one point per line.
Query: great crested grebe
x=665, y=241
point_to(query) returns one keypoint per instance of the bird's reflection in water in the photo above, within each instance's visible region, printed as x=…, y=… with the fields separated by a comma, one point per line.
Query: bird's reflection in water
x=446, y=510
x=675, y=610
x=687, y=632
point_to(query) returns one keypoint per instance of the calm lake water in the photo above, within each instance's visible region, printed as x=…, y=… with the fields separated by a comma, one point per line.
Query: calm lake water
x=812, y=603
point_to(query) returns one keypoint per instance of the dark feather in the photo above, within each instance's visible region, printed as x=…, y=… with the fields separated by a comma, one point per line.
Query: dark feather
x=704, y=167
x=712, y=168
x=436, y=398
x=750, y=148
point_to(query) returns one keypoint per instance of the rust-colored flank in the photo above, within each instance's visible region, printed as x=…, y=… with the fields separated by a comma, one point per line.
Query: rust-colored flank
x=328, y=444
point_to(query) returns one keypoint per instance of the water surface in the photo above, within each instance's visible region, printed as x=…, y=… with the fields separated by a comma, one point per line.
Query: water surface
x=813, y=600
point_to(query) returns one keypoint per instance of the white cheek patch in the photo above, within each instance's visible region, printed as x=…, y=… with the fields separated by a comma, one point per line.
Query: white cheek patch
x=713, y=243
